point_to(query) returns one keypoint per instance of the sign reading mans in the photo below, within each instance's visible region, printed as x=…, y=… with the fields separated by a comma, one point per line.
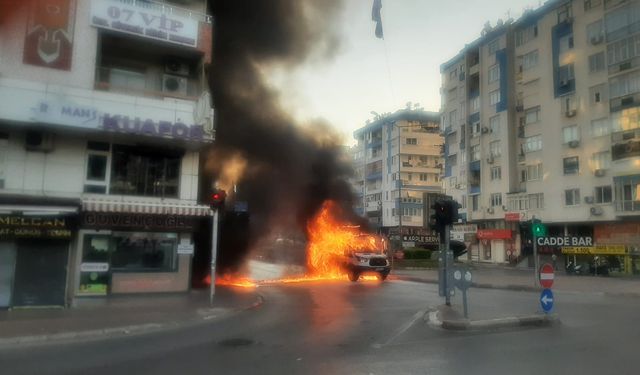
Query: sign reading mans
x=564, y=241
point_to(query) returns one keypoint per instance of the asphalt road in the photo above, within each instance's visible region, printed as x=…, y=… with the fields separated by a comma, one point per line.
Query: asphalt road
x=364, y=328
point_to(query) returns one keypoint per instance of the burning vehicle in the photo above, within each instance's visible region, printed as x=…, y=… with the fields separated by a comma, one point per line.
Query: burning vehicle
x=367, y=260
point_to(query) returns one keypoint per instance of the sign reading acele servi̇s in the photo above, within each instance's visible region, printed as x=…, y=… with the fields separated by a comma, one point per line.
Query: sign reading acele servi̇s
x=147, y=22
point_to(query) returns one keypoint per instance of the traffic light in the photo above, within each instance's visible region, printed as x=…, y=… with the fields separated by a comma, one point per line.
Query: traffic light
x=217, y=198
x=444, y=212
x=538, y=229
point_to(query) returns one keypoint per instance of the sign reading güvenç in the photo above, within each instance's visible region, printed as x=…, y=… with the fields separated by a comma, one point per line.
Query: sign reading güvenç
x=144, y=19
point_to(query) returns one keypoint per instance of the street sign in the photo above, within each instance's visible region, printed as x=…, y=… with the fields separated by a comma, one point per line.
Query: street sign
x=546, y=276
x=546, y=300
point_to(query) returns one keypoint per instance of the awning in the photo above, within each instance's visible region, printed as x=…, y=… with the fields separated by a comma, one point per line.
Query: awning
x=151, y=208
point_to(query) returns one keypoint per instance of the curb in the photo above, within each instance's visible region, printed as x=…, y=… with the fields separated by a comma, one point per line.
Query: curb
x=206, y=316
x=536, y=320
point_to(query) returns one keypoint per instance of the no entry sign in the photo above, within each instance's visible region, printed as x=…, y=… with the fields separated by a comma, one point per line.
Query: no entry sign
x=546, y=276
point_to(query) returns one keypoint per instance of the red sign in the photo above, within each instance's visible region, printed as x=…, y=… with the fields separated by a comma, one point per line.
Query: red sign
x=494, y=234
x=49, y=38
x=546, y=276
x=512, y=216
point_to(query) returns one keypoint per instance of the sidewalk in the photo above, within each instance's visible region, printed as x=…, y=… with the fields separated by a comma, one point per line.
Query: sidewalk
x=501, y=277
x=93, y=318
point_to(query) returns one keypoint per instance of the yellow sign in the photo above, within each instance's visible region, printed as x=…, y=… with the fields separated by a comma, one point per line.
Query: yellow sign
x=596, y=250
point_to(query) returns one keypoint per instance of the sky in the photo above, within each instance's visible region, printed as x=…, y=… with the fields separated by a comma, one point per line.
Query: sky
x=370, y=74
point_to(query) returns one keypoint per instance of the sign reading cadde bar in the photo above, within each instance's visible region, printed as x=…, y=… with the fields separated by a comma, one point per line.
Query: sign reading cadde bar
x=565, y=241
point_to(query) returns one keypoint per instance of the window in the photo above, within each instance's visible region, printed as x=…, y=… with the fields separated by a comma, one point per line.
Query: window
x=494, y=97
x=494, y=124
x=494, y=73
x=566, y=74
x=475, y=104
x=97, y=172
x=145, y=172
x=494, y=148
x=601, y=160
x=572, y=197
x=624, y=85
x=597, y=94
x=453, y=118
x=603, y=194
x=496, y=200
x=452, y=94
x=496, y=173
x=453, y=74
x=144, y=251
x=590, y=4
x=530, y=60
x=570, y=133
x=565, y=44
x=571, y=165
x=474, y=202
x=600, y=127
x=623, y=50
x=532, y=172
x=127, y=79
x=411, y=141
x=596, y=62
x=475, y=152
x=532, y=115
x=595, y=32
x=493, y=46
x=533, y=143
x=564, y=13
x=525, y=35
x=475, y=129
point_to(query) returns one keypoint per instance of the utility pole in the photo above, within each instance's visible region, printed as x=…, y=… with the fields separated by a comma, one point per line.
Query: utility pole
x=214, y=255
x=400, y=208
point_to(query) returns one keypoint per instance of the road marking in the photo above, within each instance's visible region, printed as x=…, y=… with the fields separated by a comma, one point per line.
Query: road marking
x=402, y=329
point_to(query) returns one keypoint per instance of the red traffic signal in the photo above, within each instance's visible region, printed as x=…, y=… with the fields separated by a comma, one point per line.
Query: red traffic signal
x=217, y=199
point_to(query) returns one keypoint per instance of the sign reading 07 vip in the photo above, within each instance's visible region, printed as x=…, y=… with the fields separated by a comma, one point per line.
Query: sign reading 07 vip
x=147, y=21
x=564, y=241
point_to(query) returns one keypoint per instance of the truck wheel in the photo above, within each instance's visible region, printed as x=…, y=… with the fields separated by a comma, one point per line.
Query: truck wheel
x=382, y=276
x=354, y=276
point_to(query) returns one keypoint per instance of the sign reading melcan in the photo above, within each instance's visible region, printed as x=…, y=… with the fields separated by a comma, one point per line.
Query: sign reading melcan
x=16, y=226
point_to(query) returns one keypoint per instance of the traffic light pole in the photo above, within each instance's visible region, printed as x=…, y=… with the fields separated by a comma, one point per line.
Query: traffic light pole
x=536, y=261
x=447, y=265
x=214, y=255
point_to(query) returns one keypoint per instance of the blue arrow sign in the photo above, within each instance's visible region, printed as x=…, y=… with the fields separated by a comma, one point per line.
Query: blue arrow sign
x=546, y=300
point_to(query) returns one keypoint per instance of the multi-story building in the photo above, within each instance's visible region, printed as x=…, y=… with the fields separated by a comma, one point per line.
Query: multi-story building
x=397, y=161
x=104, y=110
x=541, y=120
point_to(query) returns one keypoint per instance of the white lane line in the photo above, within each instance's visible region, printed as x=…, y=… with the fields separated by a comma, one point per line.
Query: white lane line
x=402, y=329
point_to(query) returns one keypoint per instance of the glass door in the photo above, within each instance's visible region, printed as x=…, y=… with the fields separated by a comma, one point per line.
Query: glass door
x=7, y=269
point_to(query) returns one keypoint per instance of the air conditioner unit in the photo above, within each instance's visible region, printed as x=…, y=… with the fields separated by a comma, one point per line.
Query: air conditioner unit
x=570, y=112
x=588, y=199
x=490, y=160
x=175, y=66
x=504, y=208
x=599, y=172
x=38, y=141
x=574, y=144
x=596, y=211
x=490, y=210
x=485, y=130
x=174, y=85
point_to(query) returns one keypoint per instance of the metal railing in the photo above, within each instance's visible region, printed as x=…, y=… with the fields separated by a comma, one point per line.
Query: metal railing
x=627, y=206
x=169, y=9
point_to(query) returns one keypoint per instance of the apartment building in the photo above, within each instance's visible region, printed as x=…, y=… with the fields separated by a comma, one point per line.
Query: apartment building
x=104, y=109
x=540, y=115
x=397, y=161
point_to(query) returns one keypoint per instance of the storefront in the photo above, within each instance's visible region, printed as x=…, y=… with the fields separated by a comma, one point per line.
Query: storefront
x=494, y=244
x=34, y=254
x=624, y=239
x=136, y=252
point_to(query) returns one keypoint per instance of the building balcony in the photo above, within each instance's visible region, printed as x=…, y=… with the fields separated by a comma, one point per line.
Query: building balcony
x=85, y=110
x=627, y=207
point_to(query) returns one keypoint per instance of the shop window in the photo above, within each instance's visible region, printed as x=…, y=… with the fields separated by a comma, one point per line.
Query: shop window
x=94, y=271
x=145, y=172
x=144, y=251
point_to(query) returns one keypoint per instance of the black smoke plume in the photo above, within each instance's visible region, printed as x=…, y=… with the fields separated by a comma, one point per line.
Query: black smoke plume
x=290, y=169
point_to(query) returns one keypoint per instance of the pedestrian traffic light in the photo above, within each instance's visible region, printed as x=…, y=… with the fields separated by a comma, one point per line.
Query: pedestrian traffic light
x=217, y=199
x=538, y=229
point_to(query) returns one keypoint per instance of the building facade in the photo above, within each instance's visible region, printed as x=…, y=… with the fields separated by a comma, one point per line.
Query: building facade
x=105, y=109
x=540, y=119
x=397, y=161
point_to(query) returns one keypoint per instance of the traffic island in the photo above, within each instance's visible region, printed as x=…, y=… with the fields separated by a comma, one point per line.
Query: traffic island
x=446, y=317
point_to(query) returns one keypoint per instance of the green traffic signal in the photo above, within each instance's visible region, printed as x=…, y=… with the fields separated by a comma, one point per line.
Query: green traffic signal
x=538, y=229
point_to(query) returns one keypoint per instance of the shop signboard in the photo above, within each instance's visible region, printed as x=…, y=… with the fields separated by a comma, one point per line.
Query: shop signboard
x=153, y=22
x=425, y=239
x=46, y=227
x=465, y=232
x=185, y=248
x=595, y=250
x=128, y=221
x=564, y=241
x=512, y=216
x=494, y=234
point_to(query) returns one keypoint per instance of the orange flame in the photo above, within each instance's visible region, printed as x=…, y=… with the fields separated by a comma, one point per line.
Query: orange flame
x=330, y=239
